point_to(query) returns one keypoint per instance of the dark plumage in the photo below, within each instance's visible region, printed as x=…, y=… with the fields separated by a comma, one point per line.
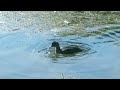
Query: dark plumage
x=67, y=50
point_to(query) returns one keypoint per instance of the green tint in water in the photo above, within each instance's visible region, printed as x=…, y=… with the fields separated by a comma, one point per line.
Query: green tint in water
x=80, y=20
x=46, y=20
x=23, y=54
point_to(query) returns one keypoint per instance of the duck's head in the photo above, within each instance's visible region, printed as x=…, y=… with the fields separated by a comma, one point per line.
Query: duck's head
x=55, y=44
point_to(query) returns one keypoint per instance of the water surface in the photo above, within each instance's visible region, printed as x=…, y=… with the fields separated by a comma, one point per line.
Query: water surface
x=24, y=51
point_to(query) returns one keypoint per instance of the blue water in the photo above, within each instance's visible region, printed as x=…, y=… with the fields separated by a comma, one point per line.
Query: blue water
x=24, y=54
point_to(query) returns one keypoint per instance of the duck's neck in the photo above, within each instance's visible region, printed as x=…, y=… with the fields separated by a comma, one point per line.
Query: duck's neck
x=58, y=50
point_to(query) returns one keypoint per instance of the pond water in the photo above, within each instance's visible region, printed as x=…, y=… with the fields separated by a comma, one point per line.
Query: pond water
x=24, y=54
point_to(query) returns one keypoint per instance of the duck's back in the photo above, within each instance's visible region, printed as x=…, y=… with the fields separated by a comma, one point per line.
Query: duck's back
x=71, y=49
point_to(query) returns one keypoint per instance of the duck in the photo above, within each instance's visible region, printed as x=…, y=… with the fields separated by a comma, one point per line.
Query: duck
x=68, y=50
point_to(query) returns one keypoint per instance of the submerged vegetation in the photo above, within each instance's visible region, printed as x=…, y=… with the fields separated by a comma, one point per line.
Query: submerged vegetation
x=68, y=22
x=80, y=20
x=22, y=47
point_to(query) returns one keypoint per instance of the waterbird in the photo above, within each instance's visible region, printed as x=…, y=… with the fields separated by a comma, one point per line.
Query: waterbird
x=67, y=50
